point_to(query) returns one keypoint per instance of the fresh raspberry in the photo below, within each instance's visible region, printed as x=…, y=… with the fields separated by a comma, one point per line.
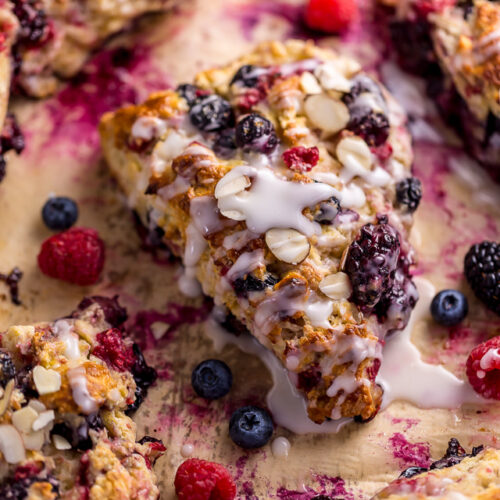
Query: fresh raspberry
x=197, y=479
x=331, y=16
x=483, y=368
x=301, y=159
x=76, y=256
x=112, y=350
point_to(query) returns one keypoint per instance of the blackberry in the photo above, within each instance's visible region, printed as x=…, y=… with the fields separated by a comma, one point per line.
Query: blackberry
x=189, y=92
x=482, y=270
x=412, y=471
x=32, y=21
x=371, y=263
x=225, y=144
x=7, y=368
x=79, y=437
x=327, y=211
x=211, y=113
x=12, y=281
x=114, y=313
x=409, y=193
x=59, y=213
x=362, y=84
x=256, y=133
x=19, y=489
x=247, y=76
x=372, y=126
x=212, y=379
x=144, y=377
x=251, y=427
x=249, y=283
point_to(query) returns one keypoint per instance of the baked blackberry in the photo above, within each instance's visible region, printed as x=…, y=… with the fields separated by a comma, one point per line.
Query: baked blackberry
x=211, y=113
x=19, y=489
x=256, y=133
x=412, y=471
x=247, y=76
x=114, y=313
x=188, y=91
x=144, y=376
x=409, y=193
x=372, y=127
x=11, y=138
x=32, y=19
x=482, y=270
x=7, y=368
x=249, y=283
x=225, y=145
x=371, y=263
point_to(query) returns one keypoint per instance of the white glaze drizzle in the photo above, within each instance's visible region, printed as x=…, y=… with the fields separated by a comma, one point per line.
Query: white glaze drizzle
x=318, y=311
x=81, y=395
x=64, y=330
x=245, y=263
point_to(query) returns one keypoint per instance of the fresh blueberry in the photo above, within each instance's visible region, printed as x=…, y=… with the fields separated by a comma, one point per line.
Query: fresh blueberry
x=449, y=307
x=251, y=427
x=188, y=91
x=59, y=213
x=256, y=133
x=212, y=379
x=211, y=113
x=247, y=76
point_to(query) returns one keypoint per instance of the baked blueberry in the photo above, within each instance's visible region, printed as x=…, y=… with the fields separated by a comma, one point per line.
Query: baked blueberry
x=449, y=307
x=212, y=379
x=256, y=133
x=251, y=427
x=59, y=213
x=412, y=471
x=247, y=76
x=250, y=283
x=211, y=113
x=409, y=193
x=225, y=144
x=188, y=91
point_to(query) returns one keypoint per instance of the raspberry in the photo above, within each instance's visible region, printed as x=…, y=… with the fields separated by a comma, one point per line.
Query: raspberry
x=482, y=270
x=113, y=351
x=197, y=479
x=331, y=16
x=301, y=159
x=483, y=368
x=76, y=256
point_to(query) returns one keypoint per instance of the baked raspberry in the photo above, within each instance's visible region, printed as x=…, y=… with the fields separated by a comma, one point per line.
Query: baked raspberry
x=111, y=349
x=76, y=256
x=331, y=16
x=301, y=159
x=483, y=368
x=197, y=479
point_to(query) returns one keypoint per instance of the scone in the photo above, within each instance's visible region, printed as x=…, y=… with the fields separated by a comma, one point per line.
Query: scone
x=457, y=476
x=456, y=47
x=283, y=181
x=65, y=391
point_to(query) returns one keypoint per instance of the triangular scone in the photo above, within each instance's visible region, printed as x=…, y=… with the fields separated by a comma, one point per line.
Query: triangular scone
x=65, y=391
x=265, y=233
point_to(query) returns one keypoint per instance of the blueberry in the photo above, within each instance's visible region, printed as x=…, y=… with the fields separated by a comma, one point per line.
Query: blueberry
x=251, y=427
x=212, y=379
x=256, y=133
x=327, y=211
x=59, y=213
x=211, y=113
x=250, y=283
x=188, y=91
x=449, y=307
x=409, y=193
x=225, y=145
x=247, y=76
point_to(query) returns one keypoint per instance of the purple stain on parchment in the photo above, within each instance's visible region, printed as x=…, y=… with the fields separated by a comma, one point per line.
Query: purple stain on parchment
x=328, y=485
x=176, y=315
x=409, y=454
x=407, y=422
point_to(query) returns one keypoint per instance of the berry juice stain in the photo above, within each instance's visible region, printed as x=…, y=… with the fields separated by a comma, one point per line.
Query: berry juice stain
x=409, y=454
x=329, y=486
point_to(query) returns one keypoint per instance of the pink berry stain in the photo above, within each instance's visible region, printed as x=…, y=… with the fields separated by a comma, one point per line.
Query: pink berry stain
x=409, y=454
x=327, y=485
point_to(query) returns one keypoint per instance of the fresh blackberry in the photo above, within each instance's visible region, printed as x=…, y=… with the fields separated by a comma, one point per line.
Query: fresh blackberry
x=371, y=263
x=114, y=313
x=225, y=145
x=247, y=76
x=7, y=368
x=189, y=92
x=482, y=270
x=256, y=133
x=372, y=126
x=144, y=377
x=327, y=211
x=409, y=193
x=249, y=283
x=211, y=113
x=412, y=471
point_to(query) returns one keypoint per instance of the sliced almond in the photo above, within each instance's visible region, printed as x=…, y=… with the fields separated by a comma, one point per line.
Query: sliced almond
x=326, y=113
x=34, y=440
x=309, y=84
x=228, y=186
x=354, y=149
x=7, y=393
x=288, y=245
x=43, y=420
x=38, y=406
x=23, y=419
x=11, y=444
x=336, y=286
x=46, y=381
x=331, y=78
x=233, y=214
x=60, y=443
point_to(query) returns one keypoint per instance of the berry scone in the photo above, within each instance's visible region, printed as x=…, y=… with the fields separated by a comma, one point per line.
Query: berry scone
x=457, y=476
x=66, y=389
x=456, y=46
x=283, y=181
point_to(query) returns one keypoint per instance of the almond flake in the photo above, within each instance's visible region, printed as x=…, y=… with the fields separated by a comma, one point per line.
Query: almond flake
x=309, y=84
x=288, y=245
x=228, y=186
x=7, y=393
x=233, y=214
x=326, y=113
x=37, y=405
x=46, y=381
x=331, y=78
x=23, y=419
x=336, y=286
x=34, y=440
x=353, y=151
x=43, y=420
x=60, y=443
x=11, y=444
